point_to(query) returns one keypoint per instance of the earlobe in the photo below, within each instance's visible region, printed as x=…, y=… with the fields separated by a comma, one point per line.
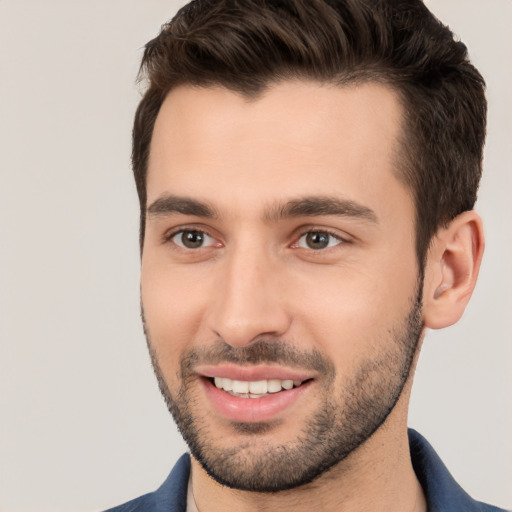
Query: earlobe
x=451, y=270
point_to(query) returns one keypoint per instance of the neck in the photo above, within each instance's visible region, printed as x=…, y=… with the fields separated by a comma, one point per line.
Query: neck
x=378, y=476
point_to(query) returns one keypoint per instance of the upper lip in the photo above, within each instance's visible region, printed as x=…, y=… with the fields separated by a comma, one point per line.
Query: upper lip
x=252, y=373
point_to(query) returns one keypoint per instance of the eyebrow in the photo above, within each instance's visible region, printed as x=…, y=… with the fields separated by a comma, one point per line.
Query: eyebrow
x=168, y=205
x=315, y=206
x=309, y=206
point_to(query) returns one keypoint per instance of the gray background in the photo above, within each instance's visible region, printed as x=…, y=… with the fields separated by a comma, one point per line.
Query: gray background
x=82, y=425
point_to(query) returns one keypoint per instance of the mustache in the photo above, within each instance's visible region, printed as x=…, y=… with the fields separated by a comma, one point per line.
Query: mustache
x=268, y=351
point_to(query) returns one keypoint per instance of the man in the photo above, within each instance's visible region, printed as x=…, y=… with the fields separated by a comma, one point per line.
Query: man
x=306, y=171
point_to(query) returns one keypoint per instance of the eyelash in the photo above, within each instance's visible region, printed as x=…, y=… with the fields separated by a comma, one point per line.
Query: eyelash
x=317, y=231
x=168, y=238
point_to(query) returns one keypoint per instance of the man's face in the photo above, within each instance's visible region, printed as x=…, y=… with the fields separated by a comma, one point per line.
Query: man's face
x=279, y=252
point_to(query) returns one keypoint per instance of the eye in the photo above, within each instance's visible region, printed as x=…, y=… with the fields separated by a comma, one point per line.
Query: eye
x=192, y=239
x=317, y=240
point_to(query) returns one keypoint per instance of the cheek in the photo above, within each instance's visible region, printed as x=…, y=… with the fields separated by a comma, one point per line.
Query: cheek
x=172, y=303
x=351, y=313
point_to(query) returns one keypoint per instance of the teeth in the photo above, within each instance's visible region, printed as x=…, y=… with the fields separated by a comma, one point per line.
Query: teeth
x=273, y=386
x=287, y=384
x=258, y=388
x=254, y=389
x=240, y=386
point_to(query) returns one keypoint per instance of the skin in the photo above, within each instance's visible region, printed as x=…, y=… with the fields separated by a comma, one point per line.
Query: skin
x=256, y=277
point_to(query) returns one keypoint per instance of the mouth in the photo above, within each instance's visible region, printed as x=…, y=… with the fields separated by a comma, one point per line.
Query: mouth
x=255, y=388
x=254, y=394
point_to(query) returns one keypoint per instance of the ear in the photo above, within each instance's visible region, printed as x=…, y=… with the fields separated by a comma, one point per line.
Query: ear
x=451, y=270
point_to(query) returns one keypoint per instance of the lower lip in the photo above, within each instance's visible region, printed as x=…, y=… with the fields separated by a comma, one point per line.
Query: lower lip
x=253, y=410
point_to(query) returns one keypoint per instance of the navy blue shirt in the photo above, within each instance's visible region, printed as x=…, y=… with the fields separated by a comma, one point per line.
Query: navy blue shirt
x=442, y=492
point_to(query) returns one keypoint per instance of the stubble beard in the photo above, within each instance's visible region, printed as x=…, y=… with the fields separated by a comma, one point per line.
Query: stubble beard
x=342, y=422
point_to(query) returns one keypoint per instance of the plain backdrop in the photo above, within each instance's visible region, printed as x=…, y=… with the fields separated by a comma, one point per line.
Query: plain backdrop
x=83, y=426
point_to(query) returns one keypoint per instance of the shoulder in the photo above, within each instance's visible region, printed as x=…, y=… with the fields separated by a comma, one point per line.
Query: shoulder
x=442, y=492
x=171, y=496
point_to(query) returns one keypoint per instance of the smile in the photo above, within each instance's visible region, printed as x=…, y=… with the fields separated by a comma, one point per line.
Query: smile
x=254, y=394
x=254, y=389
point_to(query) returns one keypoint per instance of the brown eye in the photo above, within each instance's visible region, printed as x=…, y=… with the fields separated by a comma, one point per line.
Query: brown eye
x=192, y=239
x=317, y=240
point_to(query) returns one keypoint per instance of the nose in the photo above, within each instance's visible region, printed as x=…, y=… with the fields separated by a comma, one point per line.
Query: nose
x=250, y=301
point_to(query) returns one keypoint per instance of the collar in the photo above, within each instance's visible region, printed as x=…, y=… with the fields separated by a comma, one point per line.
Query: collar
x=442, y=492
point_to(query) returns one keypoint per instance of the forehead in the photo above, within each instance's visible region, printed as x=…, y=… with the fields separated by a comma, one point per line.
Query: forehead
x=296, y=138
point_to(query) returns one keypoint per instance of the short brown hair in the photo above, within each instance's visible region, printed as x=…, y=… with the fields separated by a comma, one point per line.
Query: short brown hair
x=246, y=45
